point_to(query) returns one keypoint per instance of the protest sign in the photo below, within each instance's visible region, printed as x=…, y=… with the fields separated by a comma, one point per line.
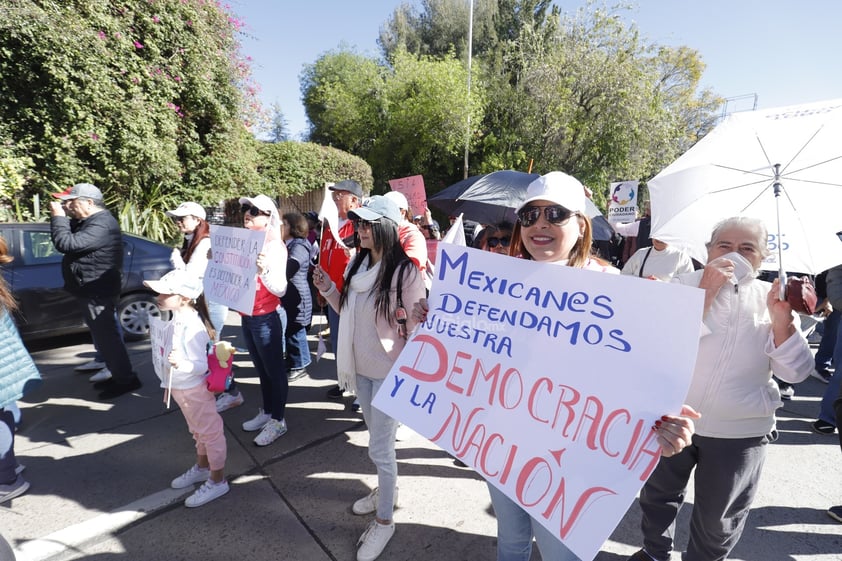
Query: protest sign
x=232, y=270
x=547, y=380
x=622, y=202
x=160, y=340
x=413, y=189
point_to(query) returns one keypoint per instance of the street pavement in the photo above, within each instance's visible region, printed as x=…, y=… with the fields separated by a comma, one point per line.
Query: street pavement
x=100, y=474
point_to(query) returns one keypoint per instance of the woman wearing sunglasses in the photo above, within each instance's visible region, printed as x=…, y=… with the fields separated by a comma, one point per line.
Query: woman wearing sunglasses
x=499, y=238
x=378, y=282
x=553, y=228
x=262, y=329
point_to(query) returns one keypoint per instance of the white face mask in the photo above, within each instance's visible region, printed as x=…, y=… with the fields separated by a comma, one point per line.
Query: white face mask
x=742, y=267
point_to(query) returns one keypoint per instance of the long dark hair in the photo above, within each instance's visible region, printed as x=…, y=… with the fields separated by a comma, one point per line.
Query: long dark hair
x=384, y=234
x=201, y=232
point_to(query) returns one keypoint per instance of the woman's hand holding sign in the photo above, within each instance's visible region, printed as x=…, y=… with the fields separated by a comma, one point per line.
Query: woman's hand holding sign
x=676, y=432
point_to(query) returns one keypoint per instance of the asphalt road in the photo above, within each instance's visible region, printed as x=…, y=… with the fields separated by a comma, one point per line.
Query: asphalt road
x=100, y=474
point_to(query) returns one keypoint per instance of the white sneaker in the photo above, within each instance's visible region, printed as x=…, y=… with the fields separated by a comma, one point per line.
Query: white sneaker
x=92, y=365
x=368, y=504
x=271, y=432
x=258, y=422
x=101, y=376
x=404, y=433
x=193, y=475
x=206, y=493
x=226, y=401
x=374, y=540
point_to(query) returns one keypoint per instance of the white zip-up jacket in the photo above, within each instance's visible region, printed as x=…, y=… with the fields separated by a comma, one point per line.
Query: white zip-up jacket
x=732, y=384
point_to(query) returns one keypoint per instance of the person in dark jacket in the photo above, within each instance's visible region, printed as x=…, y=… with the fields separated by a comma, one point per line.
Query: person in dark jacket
x=92, y=245
x=297, y=301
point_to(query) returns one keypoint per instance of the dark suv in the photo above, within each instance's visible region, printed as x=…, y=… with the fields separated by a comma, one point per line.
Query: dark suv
x=46, y=309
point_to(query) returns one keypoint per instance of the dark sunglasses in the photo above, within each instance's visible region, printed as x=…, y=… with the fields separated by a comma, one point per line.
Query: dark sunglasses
x=555, y=214
x=494, y=242
x=359, y=223
x=254, y=211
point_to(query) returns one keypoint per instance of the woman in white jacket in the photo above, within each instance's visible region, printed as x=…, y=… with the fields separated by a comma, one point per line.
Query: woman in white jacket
x=747, y=334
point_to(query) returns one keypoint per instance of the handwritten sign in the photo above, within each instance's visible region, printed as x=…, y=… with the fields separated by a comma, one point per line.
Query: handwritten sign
x=547, y=380
x=160, y=339
x=230, y=278
x=413, y=189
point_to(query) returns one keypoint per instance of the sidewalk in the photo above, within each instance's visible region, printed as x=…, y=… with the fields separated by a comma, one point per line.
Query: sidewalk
x=100, y=474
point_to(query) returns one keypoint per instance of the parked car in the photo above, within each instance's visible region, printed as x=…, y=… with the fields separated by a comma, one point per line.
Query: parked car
x=47, y=309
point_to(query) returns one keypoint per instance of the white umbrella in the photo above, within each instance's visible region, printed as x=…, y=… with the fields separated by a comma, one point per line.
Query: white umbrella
x=781, y=165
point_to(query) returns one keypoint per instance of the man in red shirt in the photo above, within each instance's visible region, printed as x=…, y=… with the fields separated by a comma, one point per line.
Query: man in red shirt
x=333, y=257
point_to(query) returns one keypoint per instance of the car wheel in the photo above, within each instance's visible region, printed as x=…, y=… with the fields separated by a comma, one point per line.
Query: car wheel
x=133, y=313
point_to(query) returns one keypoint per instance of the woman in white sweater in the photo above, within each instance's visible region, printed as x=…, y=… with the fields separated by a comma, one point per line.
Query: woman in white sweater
x=747, y=333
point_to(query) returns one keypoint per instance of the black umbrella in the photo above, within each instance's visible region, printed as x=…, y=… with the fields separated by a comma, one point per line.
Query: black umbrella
x=493, y=198
x=487, y=199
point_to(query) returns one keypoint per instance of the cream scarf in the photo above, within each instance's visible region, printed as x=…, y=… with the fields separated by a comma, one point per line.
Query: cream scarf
x=359, y=286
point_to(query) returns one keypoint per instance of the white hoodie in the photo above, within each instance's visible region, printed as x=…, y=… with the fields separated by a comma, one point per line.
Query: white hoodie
x=732, y=384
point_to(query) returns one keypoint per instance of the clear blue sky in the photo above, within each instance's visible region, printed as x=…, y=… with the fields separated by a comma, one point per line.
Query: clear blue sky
x=785, y=51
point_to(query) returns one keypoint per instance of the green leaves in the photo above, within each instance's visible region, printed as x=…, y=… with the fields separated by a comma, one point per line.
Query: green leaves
x=129, y=96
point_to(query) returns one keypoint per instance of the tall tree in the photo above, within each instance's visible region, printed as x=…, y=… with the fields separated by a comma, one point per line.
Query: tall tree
x=278, y=127
x=130, y=96
x=408, y=117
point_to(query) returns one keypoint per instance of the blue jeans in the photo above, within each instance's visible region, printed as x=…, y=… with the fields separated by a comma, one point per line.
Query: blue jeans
x=218, y=313
x=515, y=528
x=298, y=350
x=827, y=412
x=264, y=338
x=381, y=445
x=8, y=463
x=824, y=354
x=333, y=322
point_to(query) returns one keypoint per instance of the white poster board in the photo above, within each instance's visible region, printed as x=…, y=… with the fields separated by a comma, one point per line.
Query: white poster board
x=231, y=276
x=547, y=380
x=622, y=202
x=160, y=339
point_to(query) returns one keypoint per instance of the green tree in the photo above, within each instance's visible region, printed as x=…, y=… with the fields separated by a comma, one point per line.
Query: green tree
x=131, y=96
x=279, y=126
x=581, y=92
x=404, y=118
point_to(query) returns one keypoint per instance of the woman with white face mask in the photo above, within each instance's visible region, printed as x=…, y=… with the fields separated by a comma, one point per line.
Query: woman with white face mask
x=747, y=332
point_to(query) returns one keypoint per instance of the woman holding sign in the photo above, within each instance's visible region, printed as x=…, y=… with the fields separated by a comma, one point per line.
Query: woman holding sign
x=262, y=329
x=553, y=228
x=377, y=283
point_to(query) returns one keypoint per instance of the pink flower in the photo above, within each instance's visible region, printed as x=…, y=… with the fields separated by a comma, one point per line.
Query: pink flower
x=94, y=136
x=101, y=34
x=138, y=45
x=156, y=19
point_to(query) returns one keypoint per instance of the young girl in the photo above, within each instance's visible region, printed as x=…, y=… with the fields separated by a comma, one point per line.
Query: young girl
x=180, y=293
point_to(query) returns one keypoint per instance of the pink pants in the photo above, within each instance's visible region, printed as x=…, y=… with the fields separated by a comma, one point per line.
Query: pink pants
x=199, y=408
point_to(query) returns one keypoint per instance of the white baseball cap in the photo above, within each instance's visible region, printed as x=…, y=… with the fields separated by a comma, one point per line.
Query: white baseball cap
x=188, y=209
x=559, y=188
x=177, y=281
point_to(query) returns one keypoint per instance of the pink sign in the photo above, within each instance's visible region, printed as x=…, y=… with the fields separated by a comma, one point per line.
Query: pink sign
x=413, y=189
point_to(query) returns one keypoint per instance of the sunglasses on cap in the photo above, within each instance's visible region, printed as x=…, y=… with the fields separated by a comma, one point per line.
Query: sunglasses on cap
x=254, y=211
x=494, y=242
x=555, y=214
